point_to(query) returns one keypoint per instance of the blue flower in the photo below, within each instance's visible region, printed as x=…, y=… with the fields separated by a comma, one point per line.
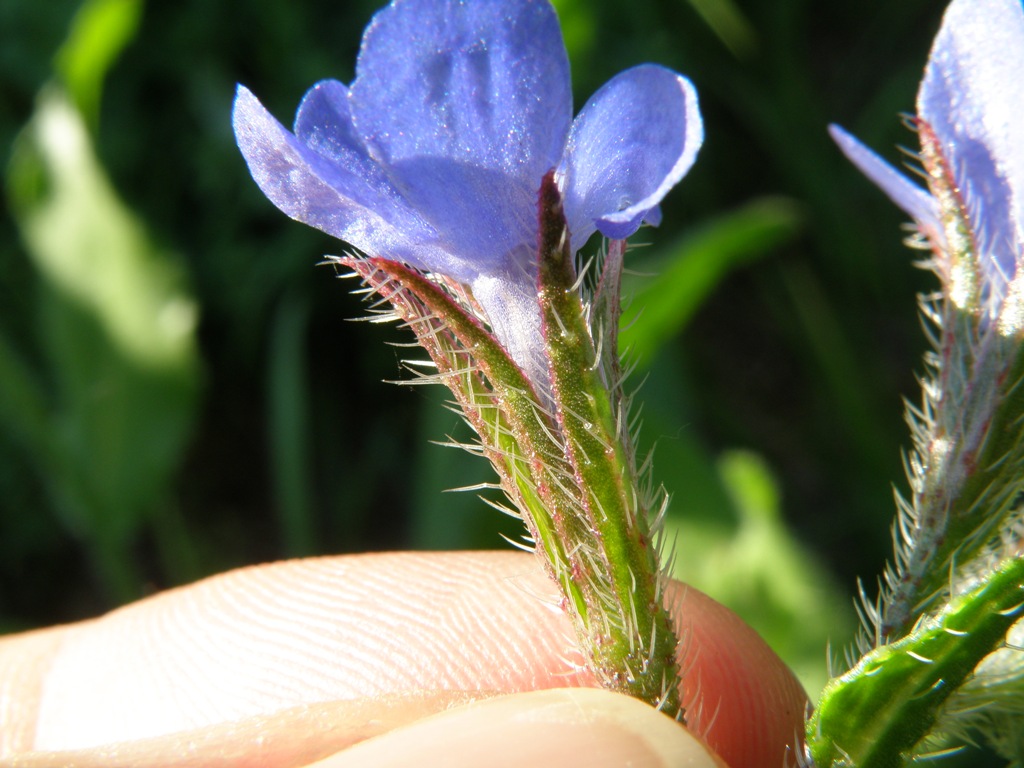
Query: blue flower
x=434, y=155
x=969, y=113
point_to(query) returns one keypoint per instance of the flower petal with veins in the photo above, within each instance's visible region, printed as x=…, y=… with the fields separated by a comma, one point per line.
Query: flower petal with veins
x=434, y=155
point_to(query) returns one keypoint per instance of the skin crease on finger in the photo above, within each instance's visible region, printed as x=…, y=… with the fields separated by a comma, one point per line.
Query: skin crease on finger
x=320, y=640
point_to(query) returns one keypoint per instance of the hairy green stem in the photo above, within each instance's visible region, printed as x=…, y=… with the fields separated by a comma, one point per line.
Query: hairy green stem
x=874, y=715
x=628, y=629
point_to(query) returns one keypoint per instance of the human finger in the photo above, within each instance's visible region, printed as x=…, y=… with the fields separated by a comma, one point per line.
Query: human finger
x=537, y=729
x=310, y=633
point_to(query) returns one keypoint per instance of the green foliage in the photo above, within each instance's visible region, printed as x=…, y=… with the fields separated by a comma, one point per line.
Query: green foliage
x=288, y=425
x=760, y=569
x=115, y=329
x=99, y=32
x=688, y=271
x=729, y=24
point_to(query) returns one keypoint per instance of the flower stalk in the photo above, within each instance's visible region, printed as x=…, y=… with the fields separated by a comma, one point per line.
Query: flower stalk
x=953, y=591
x=966, y=470
x=564, y=458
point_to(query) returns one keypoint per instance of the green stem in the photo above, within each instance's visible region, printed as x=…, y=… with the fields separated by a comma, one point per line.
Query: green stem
x=627, y=627
x=972, y=465
x=875, y=714
x=563, y=456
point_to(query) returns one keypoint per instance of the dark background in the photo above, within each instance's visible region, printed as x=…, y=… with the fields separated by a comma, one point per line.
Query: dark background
x=265, y=430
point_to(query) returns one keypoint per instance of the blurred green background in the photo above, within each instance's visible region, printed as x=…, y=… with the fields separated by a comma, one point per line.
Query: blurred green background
x=181, y=390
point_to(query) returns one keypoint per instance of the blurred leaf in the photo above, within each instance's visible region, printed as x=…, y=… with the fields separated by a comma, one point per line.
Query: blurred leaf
x=729, y=25
x=441, y=517
x=579, y=27
x=681, y=461
x=116, y=331
x=22, y=407
x=99, y=32
x=764, y=574
x=289, y=425
x=828, y=342
x=660, y=307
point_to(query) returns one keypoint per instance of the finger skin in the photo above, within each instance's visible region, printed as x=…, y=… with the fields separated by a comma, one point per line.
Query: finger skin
x=288, y=738
x=556, y=727
x=747, y=704
x=306, y=633
x=582, y=726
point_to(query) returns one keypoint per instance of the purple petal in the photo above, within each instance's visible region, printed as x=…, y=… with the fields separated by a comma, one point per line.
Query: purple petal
x=971, y=96
x=324, y=125
x=332, y=185
x=915, y=201
x=632, y=142
x=309, y=187
x=467, y=105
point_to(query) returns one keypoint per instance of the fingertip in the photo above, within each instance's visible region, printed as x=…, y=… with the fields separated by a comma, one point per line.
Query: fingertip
x=741, y=697
x=555, y=727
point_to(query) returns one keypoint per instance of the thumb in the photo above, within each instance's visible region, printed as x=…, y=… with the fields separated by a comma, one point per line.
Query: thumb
x=741, y=698
x=567, y=726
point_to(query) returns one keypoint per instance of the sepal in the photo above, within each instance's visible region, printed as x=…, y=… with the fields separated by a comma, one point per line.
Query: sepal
x=562, y=447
